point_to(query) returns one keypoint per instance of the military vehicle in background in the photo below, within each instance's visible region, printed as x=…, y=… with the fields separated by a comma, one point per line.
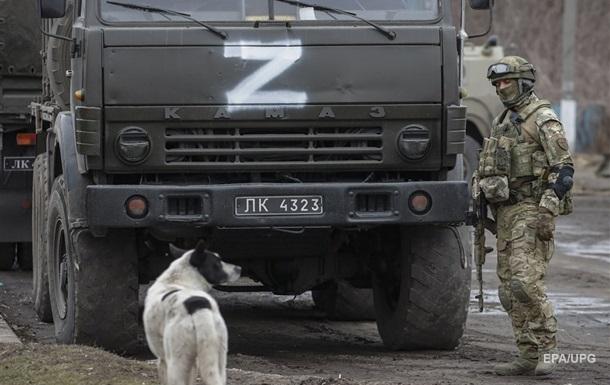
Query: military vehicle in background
x=308, y=144
x=480, y=98
x=20, y=74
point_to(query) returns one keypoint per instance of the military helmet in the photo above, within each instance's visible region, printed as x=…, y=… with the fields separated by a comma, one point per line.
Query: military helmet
x=511, y=67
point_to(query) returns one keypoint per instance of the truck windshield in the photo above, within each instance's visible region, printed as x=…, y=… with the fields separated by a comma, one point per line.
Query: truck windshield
x=254, y=10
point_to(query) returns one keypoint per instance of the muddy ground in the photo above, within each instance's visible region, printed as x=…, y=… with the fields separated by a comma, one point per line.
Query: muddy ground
x=284, y=340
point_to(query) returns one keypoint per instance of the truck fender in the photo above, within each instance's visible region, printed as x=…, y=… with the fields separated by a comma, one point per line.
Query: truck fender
x=62, y=145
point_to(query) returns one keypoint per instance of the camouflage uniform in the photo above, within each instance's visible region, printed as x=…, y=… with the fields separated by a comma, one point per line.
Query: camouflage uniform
x=517, y=171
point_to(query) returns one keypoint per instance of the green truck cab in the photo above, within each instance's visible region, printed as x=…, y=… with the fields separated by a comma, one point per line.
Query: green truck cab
x=309, y=144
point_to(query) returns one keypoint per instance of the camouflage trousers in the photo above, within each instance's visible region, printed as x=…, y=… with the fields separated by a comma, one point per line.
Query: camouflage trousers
x=522, y=263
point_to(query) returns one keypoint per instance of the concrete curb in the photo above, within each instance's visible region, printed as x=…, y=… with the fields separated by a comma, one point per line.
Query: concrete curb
x=7, y=336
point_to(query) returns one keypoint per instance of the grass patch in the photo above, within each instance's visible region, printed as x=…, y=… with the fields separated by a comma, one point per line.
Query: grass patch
x=49, y=364
x=70, y=365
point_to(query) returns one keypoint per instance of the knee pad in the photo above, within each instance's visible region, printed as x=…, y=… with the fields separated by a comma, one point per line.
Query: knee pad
x=505, y=297
x=520, y=291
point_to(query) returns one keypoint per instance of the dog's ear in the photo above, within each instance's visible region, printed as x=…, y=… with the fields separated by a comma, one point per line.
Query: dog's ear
x=199, y=254
x=175, y=251
x=202, y=245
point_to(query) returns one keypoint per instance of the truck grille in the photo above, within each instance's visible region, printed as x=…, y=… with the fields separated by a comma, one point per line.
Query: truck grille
x=270, y=146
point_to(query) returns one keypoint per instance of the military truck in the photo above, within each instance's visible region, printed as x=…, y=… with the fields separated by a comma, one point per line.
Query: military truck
x=308, y=143
x=20, y=74
x=481, y=100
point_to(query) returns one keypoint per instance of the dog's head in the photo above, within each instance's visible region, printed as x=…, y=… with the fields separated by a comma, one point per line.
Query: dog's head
x=209, y=264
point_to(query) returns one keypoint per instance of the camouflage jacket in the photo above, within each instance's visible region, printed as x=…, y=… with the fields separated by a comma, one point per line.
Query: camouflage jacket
x=536, y=146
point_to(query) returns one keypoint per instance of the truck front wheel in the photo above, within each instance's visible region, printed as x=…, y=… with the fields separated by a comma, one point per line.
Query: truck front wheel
x=93, y=282
x=422, y=293
x=40, y=204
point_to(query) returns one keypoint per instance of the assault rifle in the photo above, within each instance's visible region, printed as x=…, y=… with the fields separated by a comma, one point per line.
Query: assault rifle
x=480, y=221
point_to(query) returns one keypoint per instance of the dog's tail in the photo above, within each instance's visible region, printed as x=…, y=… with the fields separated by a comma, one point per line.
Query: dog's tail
x=211, y=343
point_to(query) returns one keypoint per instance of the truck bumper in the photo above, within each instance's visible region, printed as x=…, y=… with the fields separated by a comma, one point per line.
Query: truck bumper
x=345, y=204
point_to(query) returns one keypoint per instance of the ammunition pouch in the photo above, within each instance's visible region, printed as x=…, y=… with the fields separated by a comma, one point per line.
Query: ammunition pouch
x=495, y=157
x=495, y=188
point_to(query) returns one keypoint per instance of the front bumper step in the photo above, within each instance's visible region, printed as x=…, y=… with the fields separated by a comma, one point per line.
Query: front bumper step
x=345, y=204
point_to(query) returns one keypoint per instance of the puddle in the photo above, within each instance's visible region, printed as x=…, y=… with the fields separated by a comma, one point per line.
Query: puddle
x=565, y=303
x=577, y=230
x=599, y=251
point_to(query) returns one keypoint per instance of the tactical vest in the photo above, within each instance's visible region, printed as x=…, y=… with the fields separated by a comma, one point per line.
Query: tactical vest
x=514, y=151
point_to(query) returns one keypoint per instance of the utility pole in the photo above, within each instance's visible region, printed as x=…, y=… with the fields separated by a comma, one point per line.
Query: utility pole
x=568, y=104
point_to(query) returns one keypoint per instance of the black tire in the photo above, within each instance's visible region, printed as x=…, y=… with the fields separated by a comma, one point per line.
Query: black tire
x=472, y=148
x=339, y=300
x=24, y=255
x=40, y=204
x=58, y=58
x=96, y=303
x=422, y=298
x=7, y=256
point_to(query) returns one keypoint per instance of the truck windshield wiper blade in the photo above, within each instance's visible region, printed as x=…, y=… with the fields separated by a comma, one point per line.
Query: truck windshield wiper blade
x=388, y=33
x=163, y=11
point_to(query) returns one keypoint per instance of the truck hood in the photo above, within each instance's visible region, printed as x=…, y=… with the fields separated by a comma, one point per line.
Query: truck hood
x=178, y=68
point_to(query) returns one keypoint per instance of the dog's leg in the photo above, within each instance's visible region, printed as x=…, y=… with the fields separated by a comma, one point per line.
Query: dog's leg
x=180, y=352
x=180, y=370
x=162, y=371
x=223, y=337
x=194, y=373
x=208, y=363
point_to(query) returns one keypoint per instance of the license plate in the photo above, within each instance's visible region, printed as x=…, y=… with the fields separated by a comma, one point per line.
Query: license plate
x=18, y=163
x=279, y=205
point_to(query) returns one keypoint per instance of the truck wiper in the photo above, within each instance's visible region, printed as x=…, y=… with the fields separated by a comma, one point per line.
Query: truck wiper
x=388, y=33
x=163, y=11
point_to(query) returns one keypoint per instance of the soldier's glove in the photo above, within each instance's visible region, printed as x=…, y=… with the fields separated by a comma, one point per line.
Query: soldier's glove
x=545, y=224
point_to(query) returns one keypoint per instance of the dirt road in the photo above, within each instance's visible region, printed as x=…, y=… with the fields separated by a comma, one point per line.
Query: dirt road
x=284, y=338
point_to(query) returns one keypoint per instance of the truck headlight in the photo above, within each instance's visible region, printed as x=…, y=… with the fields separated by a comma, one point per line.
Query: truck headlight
x=133, y=145
x=414, y=142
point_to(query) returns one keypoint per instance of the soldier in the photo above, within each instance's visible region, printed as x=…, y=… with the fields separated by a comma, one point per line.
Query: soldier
x=525, y=172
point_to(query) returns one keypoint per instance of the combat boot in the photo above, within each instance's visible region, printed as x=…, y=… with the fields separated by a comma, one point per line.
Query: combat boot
x=518, y=367
x=546, y=365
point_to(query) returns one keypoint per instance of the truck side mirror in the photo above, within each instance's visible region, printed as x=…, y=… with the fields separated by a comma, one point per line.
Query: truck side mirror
x=480, y=4
x=52, y=9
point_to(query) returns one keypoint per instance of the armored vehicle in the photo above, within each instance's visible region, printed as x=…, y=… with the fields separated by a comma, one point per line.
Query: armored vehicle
x=317, y=146
x=481, y=100
x=20, y=74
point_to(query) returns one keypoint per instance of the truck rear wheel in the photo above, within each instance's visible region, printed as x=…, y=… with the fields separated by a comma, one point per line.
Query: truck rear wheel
x=93, y=282
x=422, y=296
x=7, y=255
x=40, y=204
x=342, y=301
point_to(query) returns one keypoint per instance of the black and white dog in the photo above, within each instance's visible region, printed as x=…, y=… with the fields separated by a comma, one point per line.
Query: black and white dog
x=184, y=328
